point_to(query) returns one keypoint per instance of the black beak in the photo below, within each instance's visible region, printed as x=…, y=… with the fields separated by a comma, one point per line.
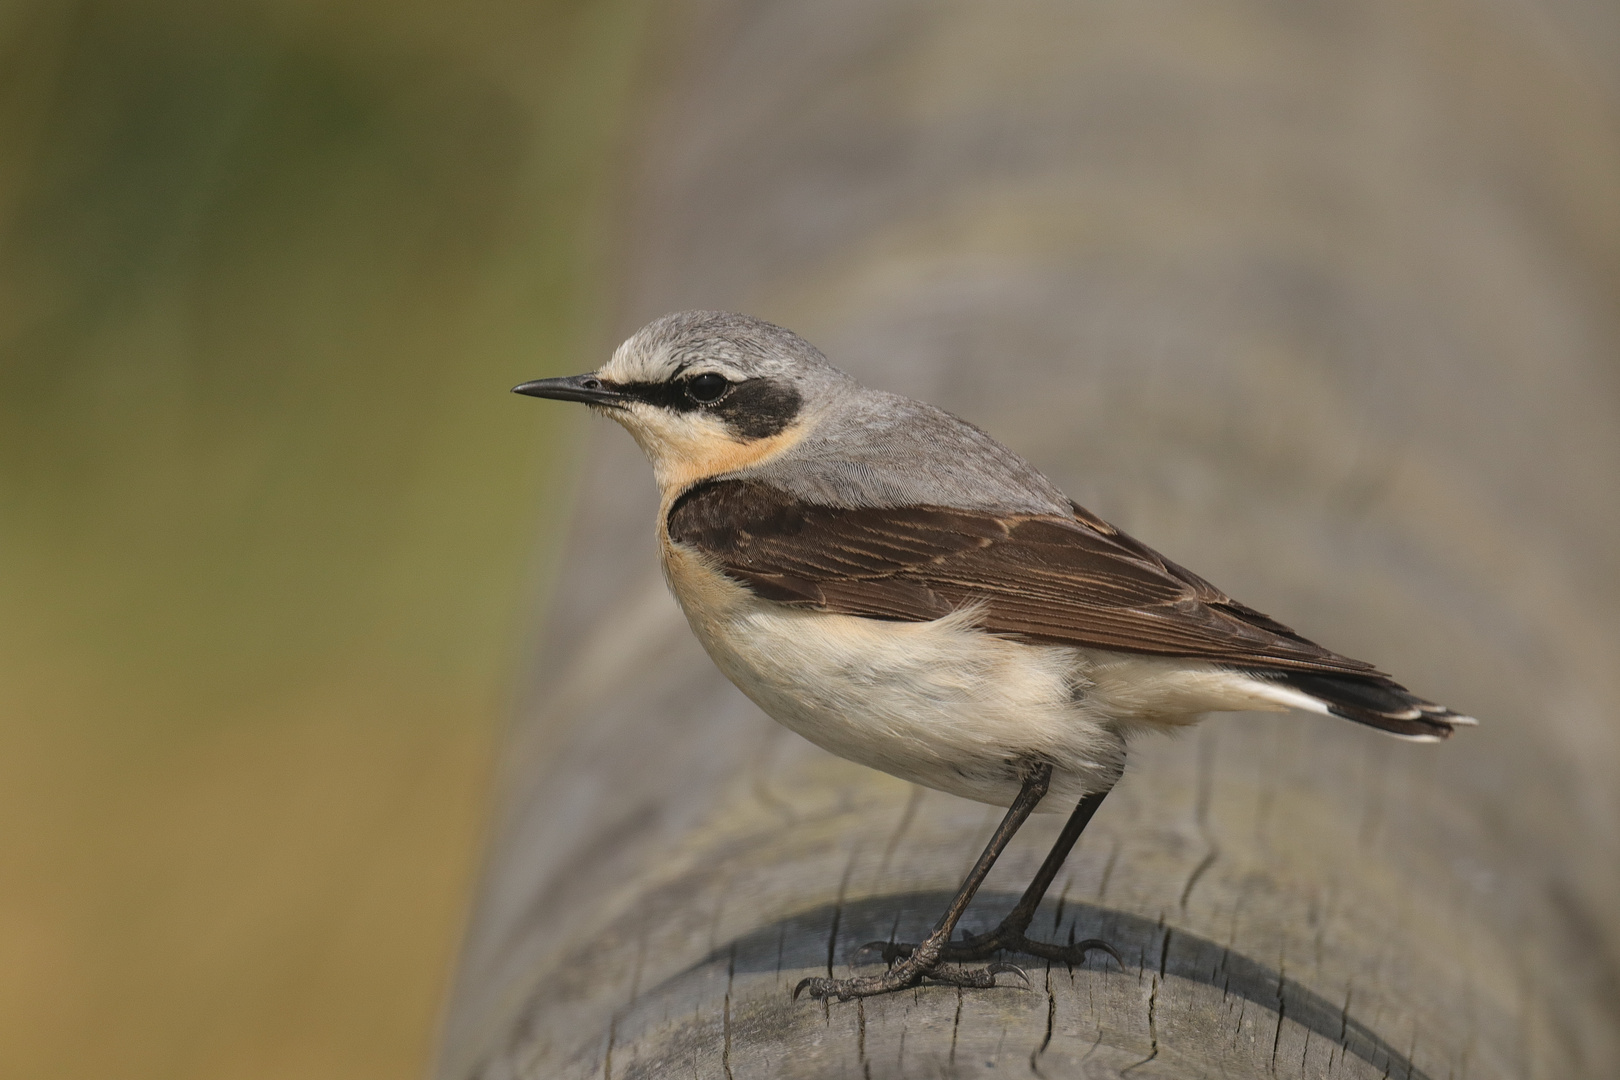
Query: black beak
x=587, y=388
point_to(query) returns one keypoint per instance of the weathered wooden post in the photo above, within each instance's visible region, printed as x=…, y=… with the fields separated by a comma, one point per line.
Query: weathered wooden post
x=1318, y=300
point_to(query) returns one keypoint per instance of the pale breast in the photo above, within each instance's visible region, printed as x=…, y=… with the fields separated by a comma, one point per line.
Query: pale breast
x=939, y=703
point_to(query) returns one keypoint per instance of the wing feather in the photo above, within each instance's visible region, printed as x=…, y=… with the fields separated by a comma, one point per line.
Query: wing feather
x=1074, y=580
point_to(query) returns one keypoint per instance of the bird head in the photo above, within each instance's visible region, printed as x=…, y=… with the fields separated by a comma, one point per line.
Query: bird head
x=707, y=392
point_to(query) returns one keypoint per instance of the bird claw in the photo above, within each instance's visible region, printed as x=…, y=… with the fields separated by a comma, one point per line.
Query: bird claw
x=1098, y=943
x=1001, y=967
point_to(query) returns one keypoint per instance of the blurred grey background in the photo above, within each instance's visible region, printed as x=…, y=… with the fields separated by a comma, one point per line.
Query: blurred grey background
x=1321, y=300
x=1317, y=299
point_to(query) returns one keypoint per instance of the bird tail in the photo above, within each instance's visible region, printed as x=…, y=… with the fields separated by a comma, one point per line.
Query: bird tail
x=1375, y=701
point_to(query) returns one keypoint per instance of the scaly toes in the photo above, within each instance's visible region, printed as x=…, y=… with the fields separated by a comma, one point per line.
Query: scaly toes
x=1064, y=954
x=820, y=989
x=902, y=977
x=1012, y=941
x=968, y=948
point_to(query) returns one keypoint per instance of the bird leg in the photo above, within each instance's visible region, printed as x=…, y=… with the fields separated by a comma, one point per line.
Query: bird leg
x=923, y=960
x=1009, y=936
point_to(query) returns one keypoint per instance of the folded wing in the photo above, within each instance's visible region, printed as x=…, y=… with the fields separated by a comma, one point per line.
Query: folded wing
x=1073, y=580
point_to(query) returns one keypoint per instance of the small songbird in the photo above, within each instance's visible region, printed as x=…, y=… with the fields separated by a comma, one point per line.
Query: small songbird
x=899, y=588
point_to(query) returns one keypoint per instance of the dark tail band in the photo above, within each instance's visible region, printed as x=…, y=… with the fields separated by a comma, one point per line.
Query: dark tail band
x=1375, y=701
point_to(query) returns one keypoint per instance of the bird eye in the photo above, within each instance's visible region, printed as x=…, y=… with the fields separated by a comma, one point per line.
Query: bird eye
x=707, y=387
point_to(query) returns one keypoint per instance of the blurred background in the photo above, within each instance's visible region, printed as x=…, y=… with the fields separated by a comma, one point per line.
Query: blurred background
x=275, y=542
x=270, y=526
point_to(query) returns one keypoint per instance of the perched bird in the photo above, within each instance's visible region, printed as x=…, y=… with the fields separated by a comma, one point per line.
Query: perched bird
x=899, y=588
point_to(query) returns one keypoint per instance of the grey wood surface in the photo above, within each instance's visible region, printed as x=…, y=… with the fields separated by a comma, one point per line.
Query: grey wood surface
x=1320, y=300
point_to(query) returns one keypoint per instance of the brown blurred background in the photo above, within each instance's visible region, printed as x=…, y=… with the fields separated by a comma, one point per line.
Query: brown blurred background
x=268, y=519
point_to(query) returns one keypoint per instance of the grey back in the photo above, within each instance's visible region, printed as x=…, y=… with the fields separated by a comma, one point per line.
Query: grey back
x=881, y=449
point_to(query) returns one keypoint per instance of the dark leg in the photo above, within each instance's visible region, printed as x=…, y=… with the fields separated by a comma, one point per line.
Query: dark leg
x=923, y=960
x=1009, y=936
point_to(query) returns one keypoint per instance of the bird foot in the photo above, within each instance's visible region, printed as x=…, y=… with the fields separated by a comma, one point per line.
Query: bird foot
x=1002, y=939
x=909, y=972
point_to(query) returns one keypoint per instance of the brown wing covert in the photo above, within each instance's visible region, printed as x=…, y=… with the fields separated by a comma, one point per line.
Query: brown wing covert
x=1070, y=580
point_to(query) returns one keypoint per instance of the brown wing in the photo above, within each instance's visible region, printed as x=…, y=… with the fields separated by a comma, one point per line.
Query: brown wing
x=1074, y=580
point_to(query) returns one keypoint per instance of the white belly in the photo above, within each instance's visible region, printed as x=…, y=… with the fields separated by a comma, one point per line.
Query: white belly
x=944, y=704
x=940, y=703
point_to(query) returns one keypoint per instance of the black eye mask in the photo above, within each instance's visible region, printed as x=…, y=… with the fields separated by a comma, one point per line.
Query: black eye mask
x=752, y=409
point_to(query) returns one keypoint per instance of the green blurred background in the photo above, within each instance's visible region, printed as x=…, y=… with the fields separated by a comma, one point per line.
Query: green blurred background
x=271, y=528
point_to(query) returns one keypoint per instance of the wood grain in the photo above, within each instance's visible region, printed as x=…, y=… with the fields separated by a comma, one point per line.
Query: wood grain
x=1319, y=302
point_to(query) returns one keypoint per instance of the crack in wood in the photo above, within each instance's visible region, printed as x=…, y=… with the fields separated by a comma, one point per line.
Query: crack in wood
x=1281, y=1008
x=635, y=971
x=1201, y=804
x=956, y=1025
x=1153, y=1001
x=1179, y=955
x=1276, y=1036
x=1094, y=1044
x=1344, y=1013
x=860, y=1035
x=1198, y=871
x=781, y=943
x=725, y=1020
x=1051, y=1022
x=1108, y=871
x=838, y=909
